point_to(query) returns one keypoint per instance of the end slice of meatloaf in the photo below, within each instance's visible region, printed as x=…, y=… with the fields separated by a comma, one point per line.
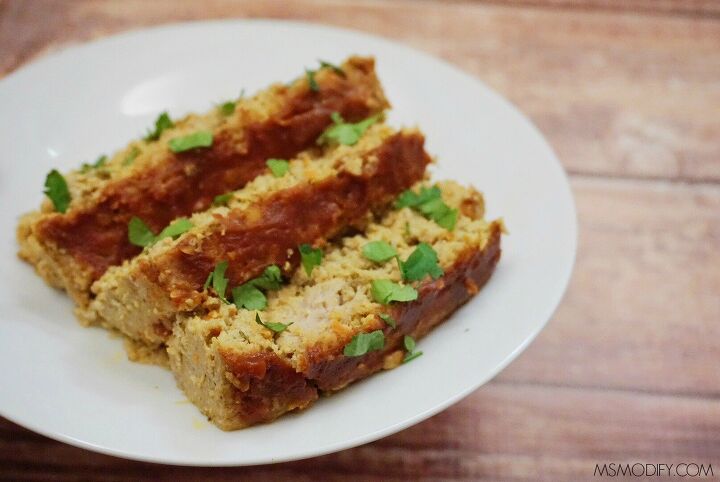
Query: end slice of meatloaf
x=262, y=225
x=149, y=180
x=239, y=372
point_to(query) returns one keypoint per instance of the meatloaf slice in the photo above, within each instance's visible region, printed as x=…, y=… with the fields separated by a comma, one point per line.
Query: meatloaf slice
x=262, y=225
x=150, y=180
x=240, y=372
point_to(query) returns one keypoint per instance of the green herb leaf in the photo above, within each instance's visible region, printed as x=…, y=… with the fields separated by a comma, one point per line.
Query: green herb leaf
x=161, y=123
x=222, y=199
x=249, y=297
x=208, y=280
x=411, y=199
x=175, y=229
x=385, y=291
x=276, y=327
x=379, y=251
x=310, y=256
x=344, y=133
x=335, y=68
x=191, y=141
x=278, y=167
x=421, y=262
x=363, y=343
x=411, y=356
x=388, y=319
x=139, y=233
x=271, y=279
x=410, y=347
x=99, y=162
x=227, y=108
x=56, y=189
x=311, y=80
x=130, y=157
x=219, y=281
x=430, y=204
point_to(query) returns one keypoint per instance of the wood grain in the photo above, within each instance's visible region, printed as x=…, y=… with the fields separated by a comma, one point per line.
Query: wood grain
x=628, y=92
x=617, y=94
x=501, y=432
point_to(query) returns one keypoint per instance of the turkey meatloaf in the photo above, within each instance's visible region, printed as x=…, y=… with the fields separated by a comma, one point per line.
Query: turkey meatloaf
x=180, y=166
x=321, y=195
x=356, y=312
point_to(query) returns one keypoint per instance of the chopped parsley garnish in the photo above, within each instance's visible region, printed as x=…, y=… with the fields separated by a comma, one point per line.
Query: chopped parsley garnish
x=99, y=162
x=421, y=262
x=227, y=108
x=56, y=189
x=310, y=257
x=429, y=203
x=278, y=167
x=217, y=280
x=379, y=251
x=363, y=343
x=222, y=199
x=249, y=296
x=385, y=291
x=345, y=133
x=130, y=157
x=276, y=327
x=161, y=123
x=191, y=141
x=175, y=229
x=388, y=319
x=335, y=68
x=271, y=279
x=141, y=235
x=410, y=347
x=311, y=80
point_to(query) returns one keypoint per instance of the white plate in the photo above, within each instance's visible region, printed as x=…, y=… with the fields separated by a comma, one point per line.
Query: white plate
x=75, y=385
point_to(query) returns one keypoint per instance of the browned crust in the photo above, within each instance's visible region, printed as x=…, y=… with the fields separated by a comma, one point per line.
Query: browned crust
x=437, y=300
x=271, y=387
x=96, y=237
x=263, y=234
x=265, y=386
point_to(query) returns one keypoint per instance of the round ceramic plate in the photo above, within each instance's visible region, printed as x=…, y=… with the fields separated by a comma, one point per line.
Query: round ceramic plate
x=75, y=384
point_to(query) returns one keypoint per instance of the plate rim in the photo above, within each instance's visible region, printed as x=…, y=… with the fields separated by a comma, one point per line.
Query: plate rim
x=48, y=56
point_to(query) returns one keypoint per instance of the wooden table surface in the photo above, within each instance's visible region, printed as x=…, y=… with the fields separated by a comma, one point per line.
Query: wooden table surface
x=627, y=370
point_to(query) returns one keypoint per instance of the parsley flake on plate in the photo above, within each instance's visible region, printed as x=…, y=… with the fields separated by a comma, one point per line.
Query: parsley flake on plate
x=385, y=291
x=410, y=347
x=363, y=343
x=429, y=203
x=278, y=167
x=310, y=257
x=421, y=262
x=276, y=327
x=162, y=123
x=345, y=133
x=56, y=189
x=191, y=141
x=141, y=235
x=388, y=319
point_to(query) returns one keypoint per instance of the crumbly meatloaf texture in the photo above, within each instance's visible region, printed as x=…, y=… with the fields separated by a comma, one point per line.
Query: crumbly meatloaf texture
x=73, y=249
x=239, y=373
x=262, y=225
